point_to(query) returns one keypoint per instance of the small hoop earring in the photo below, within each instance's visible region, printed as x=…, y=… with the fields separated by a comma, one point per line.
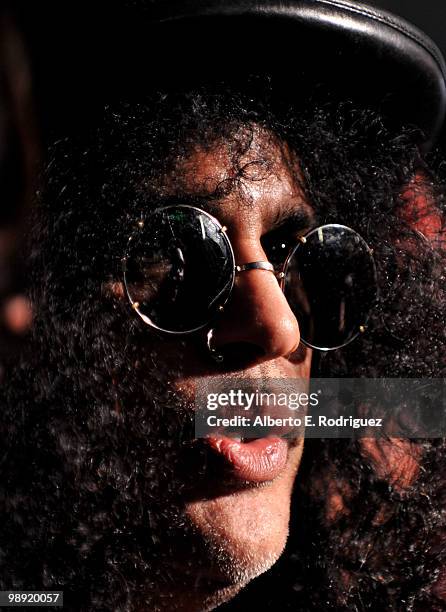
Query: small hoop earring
x=216, y=356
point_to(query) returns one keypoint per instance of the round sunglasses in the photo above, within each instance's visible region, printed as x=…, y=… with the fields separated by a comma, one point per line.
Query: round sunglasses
x=179, y=271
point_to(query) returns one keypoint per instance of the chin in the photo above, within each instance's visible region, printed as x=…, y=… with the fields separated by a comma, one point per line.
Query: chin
x=239, y=535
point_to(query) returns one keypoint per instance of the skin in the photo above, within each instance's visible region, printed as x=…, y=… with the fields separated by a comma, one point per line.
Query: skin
x=243, y=531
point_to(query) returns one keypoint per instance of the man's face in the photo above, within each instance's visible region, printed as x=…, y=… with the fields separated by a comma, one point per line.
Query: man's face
x=239, y=525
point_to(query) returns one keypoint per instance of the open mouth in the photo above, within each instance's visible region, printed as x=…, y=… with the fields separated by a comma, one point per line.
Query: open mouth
x=257, y=460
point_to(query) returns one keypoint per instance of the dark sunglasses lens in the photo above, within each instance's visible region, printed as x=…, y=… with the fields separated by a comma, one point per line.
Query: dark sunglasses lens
x=179, y=269
x=330, y=284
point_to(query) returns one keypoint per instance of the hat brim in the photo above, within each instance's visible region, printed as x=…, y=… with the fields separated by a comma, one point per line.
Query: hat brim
x=348, y=50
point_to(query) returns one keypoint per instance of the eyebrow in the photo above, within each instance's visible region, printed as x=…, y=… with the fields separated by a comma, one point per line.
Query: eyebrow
x=294, y=214
x=205, y=202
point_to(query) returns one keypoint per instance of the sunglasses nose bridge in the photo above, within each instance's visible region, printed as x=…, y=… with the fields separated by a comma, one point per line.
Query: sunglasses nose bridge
x=257, y=312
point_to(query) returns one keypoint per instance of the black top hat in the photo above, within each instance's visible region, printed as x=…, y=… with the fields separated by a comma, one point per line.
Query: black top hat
x=343, y=48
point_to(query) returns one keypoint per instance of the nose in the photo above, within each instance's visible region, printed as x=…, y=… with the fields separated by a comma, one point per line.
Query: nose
x=257, y=322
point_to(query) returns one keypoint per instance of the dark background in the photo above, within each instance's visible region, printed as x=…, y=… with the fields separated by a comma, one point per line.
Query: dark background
x=429, y=15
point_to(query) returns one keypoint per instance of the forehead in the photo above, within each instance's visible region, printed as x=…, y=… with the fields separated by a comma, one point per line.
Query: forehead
x=252, y=176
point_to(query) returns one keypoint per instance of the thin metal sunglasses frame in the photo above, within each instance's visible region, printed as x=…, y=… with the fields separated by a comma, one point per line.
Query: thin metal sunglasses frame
x=236, y=269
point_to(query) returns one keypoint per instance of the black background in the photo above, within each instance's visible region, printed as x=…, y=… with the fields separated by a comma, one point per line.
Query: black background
x=428, y=15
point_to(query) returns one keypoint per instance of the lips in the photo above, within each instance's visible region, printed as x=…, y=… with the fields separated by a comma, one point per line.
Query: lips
x=257, y=461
